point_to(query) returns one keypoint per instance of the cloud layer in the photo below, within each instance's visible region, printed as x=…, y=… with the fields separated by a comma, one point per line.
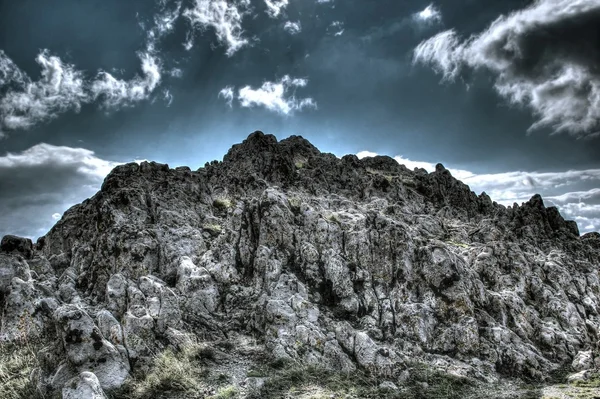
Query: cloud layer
x=275, y=96
x=545, y=57
x=38, y=184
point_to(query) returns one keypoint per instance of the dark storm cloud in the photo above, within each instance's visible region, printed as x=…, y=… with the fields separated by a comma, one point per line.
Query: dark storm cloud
x=546, y=56
x=38, y=184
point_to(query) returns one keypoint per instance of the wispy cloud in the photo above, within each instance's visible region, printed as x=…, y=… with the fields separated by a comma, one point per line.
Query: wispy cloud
x=227, y=94
x=275, y=96
x=431, y=14
x=276, y=7
x=292, y=28
x=115, y=93
x=26, y=102
x=337, y=27
x=62, y=87
x=165, y=19
x=224, y=16
x=544, y=57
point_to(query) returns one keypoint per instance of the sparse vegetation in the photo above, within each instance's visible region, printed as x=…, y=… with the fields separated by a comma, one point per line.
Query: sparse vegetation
x=226, y=345
x=333, y=217
x=294, y=203
x=227, y=392
x=213, y=229
x=176, y=372
x=17, y=364
x=222, y=203
x=295, y=380
x=200, y=352
x=581, y=389
x=458, y=244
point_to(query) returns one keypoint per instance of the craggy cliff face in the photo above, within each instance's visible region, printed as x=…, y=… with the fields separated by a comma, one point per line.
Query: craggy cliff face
x=344, y=263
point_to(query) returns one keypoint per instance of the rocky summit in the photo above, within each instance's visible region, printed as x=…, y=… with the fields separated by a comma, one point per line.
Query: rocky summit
x=286, y=272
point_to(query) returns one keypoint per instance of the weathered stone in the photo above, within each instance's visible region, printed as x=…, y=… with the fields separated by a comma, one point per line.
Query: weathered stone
x=85, y=385
x=343, y=263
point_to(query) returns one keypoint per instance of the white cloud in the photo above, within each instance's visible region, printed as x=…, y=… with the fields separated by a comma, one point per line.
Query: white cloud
x=57, y=178
x=9, y=71
x=292, y=28
x=431, y=14
x=557, y=188
x=227, y=94
x=115, y=92
x=26, y=103
x=224, y=16
x=275, y=7
x=164, y=21
x=558, y=84
x=338, y=26
x=176, y=72
x=62, y=88
x=168, y=97
x=81, y=160
x=274, y=96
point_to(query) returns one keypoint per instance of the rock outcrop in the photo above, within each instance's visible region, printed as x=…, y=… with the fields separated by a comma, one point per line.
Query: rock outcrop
x=344, y=263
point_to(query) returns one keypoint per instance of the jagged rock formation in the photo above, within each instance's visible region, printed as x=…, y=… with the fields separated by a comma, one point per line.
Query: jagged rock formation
x=344, y=263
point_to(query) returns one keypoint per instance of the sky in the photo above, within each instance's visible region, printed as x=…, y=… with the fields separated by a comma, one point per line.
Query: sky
x=504, y=93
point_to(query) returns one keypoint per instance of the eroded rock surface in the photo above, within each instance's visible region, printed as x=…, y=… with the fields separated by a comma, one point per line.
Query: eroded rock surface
x=344, y=263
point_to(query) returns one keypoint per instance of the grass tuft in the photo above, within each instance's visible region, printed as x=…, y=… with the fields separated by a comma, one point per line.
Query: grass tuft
x=213, y=229
x=222, y=203
x=17, y=364
x=175, y=372
x=225, y=393
x=293, y=380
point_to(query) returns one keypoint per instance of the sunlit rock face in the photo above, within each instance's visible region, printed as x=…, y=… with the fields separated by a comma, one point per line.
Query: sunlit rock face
x=343, y=263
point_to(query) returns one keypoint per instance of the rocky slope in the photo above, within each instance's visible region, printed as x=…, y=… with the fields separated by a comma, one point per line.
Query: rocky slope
x=347, y=264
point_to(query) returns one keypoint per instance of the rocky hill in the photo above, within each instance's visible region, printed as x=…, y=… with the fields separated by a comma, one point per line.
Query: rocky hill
x=282, y=255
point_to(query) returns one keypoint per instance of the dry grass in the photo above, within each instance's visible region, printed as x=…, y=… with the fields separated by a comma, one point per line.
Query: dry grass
x=172, y=372
x=299, y=381
x=222, y=203
x=17, y=364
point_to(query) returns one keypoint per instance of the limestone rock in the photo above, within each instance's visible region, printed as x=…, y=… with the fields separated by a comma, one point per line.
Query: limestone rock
x=85, y=385
x=343, y=263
